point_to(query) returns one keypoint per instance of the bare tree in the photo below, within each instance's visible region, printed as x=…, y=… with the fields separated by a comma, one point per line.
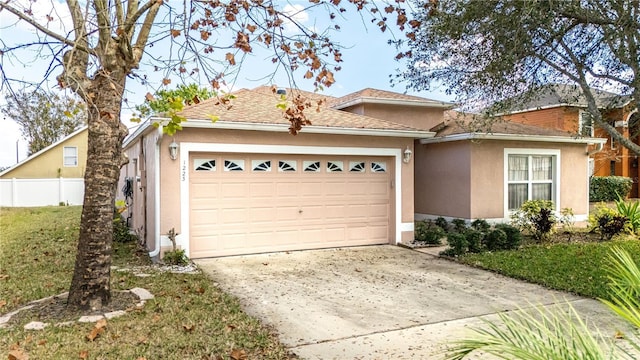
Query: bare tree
x=209, y=39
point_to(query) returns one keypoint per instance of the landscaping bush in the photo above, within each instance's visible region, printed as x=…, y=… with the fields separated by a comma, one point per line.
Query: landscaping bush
x=175, y=257
x=429, y=233
x=609, y=188
x=536, y=218
x=611, y=225
x=481, y=225
x=496, y=240
x=631, y=211
x=514, y=236
x=121, y=232
x=459, y=225
x=442, y=223
x=475, y=239
x=458, y=245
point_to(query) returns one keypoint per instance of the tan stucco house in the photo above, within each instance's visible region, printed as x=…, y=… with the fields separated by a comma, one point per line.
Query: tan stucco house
x=51, y=176
x=369, y=165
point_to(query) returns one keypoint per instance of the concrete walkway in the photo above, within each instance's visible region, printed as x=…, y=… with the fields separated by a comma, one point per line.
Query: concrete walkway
x=379, y=302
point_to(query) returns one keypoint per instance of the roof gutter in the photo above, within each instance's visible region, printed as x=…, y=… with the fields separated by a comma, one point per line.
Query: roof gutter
x=598, y=148
x=514, y=137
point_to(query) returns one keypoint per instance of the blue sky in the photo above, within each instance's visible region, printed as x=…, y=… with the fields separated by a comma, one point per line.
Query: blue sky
x=368, y=62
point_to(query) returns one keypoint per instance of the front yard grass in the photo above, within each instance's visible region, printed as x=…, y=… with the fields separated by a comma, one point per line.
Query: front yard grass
x=575, y=267
x=188, y=319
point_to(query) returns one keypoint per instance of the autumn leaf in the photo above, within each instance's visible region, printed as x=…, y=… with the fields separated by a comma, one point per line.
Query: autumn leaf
x=149, y=97
x=166, y=81
x=3, y=303
x=16, y=353
x=84, y=354
x=308, y=75
x=175, y=33
x=97, y=329
x=204, y=35
x=251, y=28
x=237, y=354
x=230, y=58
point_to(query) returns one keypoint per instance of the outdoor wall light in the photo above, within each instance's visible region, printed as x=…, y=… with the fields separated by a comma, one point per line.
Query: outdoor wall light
x=173, y=150
x=407, y=155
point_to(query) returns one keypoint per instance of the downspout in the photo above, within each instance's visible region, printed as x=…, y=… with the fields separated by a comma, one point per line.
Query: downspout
x=156, y=210
x=596, y=150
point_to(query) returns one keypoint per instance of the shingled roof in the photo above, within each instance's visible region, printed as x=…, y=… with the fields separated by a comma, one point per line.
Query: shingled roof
x=376, y=95
x=461, y=123
x=259, y=106
x=553, y=95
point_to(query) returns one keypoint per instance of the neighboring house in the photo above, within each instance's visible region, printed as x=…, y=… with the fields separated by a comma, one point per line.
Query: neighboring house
x=371, y=163
x=51, y=176
x=563, y=107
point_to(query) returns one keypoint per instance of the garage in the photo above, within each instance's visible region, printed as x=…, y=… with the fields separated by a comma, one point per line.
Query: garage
x=252, y=203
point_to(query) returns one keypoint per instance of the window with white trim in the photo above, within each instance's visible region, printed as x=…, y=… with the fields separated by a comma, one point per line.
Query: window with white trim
x=70, y=156
x=585, y=123
x=530, y=177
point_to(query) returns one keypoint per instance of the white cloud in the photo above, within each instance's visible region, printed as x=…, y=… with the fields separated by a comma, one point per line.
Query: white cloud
x=297, y=14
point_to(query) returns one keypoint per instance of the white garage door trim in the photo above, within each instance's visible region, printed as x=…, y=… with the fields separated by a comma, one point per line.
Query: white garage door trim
x=186, y=148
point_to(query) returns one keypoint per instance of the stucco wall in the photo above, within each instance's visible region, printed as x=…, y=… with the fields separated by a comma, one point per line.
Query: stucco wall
x=170, y=169
x=50, y=164
x=443, y=179
x=465, y=179
x=417, y=117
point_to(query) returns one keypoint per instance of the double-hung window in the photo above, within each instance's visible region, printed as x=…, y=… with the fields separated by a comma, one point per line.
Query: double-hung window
x=70, y=156
x=530, y=176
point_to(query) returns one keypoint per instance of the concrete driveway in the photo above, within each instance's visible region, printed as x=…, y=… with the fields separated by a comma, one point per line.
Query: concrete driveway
x=378, y=302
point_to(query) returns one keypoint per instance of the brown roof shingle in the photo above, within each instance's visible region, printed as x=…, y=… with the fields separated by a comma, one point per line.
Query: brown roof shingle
x=370, y=93
x=260, y=107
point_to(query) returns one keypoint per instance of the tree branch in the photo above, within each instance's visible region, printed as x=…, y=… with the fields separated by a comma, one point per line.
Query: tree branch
x=143, y=35
x=35, y=24
x=132, y=19
x=104, y=24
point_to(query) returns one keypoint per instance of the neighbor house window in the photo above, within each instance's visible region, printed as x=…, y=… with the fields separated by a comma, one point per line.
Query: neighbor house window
x=531, y=176
x=585, y=123
x=70, y=156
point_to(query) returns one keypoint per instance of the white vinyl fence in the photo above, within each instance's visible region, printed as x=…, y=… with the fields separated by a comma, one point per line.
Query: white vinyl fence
x=41, y=192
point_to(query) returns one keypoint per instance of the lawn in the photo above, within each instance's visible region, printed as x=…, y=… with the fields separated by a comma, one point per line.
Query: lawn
x=188, y=319
x=575, y=267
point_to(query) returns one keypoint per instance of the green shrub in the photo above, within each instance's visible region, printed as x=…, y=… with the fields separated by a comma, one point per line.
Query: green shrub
x=543, y=224
x=496, y=240
x=175, y=257
x=459, y=225
x=121, y=232
x=481, y=225
x=536, y=218
x=631, y=211
x=428, y=232
x=442, y=223
x=514, y=236
x=458, y=244
x=610, y=226
x=609, y=188
x=475, y=239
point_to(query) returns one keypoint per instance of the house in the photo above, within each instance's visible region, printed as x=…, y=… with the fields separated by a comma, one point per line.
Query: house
x=563, y=107
x=51, y=176
x=245, y=185
x=369, y=165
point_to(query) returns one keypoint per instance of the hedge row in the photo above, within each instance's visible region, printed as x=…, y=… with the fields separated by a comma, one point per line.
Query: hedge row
x=609, y=188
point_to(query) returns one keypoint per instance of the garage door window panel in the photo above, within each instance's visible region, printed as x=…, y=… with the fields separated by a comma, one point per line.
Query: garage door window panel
x=378, y=167
x=335, y=166
x=261, y=165
x=287, y=166
x=204, y=164
x=234, y=165
x=311, y=166
x=357, y=166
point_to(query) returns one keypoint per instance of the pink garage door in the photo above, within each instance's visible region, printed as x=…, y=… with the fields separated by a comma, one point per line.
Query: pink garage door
x=242, y=204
